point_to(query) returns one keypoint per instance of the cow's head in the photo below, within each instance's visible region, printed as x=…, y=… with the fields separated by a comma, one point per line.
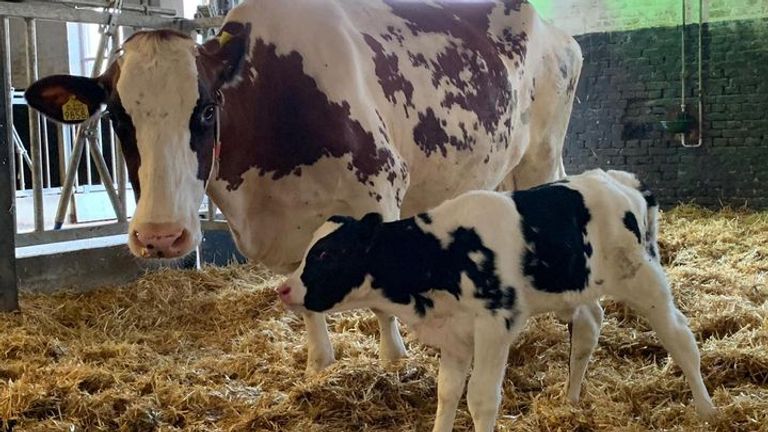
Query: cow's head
x=160, y=95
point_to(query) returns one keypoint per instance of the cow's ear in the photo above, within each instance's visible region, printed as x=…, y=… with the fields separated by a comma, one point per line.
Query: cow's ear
x=221, y=58
x=67, y=98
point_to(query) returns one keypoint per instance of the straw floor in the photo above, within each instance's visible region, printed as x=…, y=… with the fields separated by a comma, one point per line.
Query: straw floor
x=212, y=351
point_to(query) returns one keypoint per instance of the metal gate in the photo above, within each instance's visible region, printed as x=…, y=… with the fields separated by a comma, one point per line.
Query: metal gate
x=41, y=161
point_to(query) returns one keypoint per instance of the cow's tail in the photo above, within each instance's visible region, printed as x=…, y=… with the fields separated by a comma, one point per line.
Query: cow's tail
x=651, y=210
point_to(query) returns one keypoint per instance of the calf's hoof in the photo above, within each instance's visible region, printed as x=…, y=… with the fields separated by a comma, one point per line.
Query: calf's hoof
x=707, y=412
x=392, y=354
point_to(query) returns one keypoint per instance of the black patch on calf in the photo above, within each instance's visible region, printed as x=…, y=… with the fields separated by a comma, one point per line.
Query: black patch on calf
x=630, y=222
x=425, y=217
x=554, y=225
x=406, y=263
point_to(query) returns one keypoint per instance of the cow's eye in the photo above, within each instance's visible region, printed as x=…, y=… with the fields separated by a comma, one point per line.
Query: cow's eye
x=208, y=115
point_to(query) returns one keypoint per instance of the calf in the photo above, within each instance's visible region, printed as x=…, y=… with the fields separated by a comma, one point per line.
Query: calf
x=468, y=274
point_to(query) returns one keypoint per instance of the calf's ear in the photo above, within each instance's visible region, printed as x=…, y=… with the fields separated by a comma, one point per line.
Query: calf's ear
x=372, y=219
x=67, y=98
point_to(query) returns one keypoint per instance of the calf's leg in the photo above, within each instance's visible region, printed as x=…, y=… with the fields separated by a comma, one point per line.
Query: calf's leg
x=649, y=292
x=584, y=329
x=450, y=386
x=319, y=348
x=391, y=346
x=492, y=341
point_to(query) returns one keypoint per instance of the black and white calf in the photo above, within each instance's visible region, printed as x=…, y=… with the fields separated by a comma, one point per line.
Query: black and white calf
x=468, y=274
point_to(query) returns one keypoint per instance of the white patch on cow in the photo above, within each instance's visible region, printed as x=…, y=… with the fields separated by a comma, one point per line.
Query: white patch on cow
x=158, y=89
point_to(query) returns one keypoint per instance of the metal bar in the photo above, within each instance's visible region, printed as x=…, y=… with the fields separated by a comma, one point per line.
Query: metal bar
x=112, y=145
x=9, y=294
x=38, y=238
x=189, y=26
x=87, y=128
x=23, y=156
x=48, y=11
x=106, y=179
x=69, y=179
x=61, y=143
x=211, y=209
x=34, y=130
x=46, y=154
x=133, y=8
x=122, y=184
x=88, y=173
x=214, y=225
x=24, y=159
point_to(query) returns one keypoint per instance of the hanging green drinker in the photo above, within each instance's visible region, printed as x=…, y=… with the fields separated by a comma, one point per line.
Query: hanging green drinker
x=681, y=124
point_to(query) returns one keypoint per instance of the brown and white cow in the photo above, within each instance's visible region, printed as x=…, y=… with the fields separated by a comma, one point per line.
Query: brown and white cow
x=328, y=107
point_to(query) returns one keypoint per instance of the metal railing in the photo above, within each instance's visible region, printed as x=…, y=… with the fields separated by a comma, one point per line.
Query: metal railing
x=48, y=161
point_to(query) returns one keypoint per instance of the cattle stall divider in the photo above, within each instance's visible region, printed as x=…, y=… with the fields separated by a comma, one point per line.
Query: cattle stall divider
x=34, y=160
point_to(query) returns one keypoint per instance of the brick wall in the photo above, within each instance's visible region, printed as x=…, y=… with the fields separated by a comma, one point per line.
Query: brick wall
x=631, y=80
x=590, y=16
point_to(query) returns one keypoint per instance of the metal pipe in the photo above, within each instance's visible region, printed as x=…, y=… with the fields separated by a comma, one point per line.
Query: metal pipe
x=147, y=10
x=60, y=12
x=46, y=154
x=700, y=92
x=682, y=62
x=69, y=179
x=23, y=155
x=23, y=161
x=9, y=293
x=61, y=144
x=106, y=179
x=119, y=158
x=211, y=209
x=34, y=130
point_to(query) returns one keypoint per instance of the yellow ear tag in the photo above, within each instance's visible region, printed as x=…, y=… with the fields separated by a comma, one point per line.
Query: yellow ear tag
x=74, y=110
x=223, y=38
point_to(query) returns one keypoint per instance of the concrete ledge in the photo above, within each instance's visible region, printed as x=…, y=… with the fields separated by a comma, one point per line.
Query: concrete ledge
x=81, y=270
x=94, y=263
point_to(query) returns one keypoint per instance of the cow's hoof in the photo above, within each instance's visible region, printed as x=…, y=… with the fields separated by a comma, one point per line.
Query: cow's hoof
x=317, y=365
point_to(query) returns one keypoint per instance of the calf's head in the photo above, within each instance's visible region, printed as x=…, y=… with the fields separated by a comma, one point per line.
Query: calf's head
x=334, y=273
x=160, y=96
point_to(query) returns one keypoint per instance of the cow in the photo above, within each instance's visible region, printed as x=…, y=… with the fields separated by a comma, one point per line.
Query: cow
x=467, y=275
x=299, y=110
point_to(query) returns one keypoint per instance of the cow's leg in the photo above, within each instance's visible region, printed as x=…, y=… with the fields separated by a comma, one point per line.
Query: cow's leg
x=391, y=346
x=319, y=348
x=549, y=114
x=584, y=330
x=450, y=386
x=649, y=293
x=491, y=349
